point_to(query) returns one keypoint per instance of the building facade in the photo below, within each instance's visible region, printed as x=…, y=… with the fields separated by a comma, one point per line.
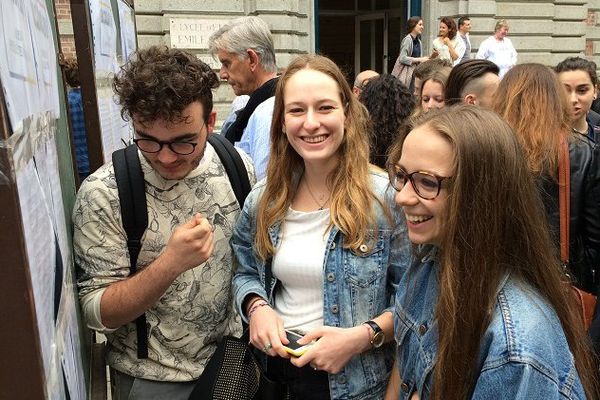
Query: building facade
x=366, y=34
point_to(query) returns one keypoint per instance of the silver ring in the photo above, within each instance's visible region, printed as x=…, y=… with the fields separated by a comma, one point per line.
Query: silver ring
x=267, y=347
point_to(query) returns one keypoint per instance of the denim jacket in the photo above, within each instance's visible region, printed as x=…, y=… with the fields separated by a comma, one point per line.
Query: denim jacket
x=356, y=287
x=523, y=353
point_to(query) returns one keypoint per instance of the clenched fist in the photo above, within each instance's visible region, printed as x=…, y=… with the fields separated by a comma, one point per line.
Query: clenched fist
x=190, y=244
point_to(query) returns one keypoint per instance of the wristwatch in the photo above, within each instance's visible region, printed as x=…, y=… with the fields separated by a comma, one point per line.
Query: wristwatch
x=378, y=336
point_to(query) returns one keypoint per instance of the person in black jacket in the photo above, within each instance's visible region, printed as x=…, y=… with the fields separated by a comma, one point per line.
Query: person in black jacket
x=530, y=98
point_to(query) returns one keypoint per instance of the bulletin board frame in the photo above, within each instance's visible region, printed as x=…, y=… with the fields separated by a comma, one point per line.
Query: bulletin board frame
x=95, y=79
x=40, y=337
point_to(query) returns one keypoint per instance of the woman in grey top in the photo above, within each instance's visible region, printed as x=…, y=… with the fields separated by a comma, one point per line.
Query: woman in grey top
x=411, y=52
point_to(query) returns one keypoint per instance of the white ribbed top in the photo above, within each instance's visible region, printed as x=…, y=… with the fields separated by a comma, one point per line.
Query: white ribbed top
x=298, y=264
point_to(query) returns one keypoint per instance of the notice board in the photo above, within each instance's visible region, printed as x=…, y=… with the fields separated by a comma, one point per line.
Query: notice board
x=105, y=38
x=40, y=332
x=44, y=345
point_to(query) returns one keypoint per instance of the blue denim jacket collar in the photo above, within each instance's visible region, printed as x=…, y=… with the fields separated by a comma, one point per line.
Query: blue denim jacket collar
x=274, y=234
x=524, y=343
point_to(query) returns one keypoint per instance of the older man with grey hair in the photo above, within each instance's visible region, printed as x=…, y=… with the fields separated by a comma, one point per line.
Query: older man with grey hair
x=499, y=49
x=245, y=49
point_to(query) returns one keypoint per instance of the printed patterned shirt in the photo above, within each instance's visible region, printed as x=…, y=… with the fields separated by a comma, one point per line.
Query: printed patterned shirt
x=196, y=310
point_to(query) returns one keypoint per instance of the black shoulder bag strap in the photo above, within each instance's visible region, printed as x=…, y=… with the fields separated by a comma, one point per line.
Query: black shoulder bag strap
x=134, y=216
x=234, y=166
x=236, y=130
x=268, y=274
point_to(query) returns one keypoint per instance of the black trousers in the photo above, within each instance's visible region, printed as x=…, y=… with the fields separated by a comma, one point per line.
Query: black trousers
x=304, y=383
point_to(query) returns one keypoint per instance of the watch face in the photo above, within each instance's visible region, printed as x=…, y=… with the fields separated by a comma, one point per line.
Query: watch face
x=378, y=339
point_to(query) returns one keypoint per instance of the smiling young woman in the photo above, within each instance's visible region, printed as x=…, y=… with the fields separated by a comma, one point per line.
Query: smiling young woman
x=323, y=220
x=411, y=52
x=448, y=44
x=484, y=302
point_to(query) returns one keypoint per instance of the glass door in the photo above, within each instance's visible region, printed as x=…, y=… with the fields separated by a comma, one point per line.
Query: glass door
x=371, y=43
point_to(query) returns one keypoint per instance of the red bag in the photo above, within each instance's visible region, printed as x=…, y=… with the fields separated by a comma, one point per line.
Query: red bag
x=587, y=301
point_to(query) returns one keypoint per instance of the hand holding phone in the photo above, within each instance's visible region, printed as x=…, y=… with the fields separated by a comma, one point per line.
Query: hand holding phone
x=293, y=347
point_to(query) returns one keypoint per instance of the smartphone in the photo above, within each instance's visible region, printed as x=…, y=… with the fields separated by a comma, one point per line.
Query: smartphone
x=293, y=347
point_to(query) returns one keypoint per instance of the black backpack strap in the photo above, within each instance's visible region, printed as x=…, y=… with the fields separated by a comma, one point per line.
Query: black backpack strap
x=234, y=166
x=134, y=216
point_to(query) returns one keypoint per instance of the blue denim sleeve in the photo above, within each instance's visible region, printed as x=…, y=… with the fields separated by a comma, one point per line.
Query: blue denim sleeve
x=400, y=250
x=512, y=380
x=247, y=278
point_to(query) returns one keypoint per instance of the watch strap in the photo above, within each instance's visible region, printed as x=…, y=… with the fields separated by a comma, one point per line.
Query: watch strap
x=378, y=336
x=376, y=328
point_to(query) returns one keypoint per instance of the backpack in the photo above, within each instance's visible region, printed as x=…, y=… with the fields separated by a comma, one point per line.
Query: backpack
x=134, y=213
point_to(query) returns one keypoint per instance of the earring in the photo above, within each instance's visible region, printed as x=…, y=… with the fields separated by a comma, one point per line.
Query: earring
x=283, y=129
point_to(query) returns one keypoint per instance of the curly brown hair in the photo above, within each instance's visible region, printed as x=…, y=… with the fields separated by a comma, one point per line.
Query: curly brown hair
x=71, y=69
x=389, y=103
x=159, y=83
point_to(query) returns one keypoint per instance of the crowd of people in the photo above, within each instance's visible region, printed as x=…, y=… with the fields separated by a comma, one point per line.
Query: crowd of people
x=406, y=226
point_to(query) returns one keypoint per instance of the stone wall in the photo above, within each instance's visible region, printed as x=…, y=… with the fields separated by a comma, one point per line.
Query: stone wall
x=291, y=22
x=65, y=28
x=542, y=31
x=592, y=33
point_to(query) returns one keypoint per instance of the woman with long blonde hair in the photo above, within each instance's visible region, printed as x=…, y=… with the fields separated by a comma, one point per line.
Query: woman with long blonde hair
x=322, y=223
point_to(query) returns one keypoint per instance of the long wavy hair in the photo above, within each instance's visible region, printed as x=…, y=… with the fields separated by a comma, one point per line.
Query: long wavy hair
x=532, y=101
x=495, y=225
x=389, y=103
x=352, y=200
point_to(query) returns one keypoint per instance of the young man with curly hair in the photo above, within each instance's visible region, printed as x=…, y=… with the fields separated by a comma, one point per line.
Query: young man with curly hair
x=184, y=268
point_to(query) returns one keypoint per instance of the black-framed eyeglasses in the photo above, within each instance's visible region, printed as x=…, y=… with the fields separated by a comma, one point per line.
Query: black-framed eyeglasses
x=154, y=146
x=181, y=147
x=426, y=185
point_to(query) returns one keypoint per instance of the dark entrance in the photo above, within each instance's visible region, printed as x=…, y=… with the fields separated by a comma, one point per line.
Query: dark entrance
x=361, y=34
